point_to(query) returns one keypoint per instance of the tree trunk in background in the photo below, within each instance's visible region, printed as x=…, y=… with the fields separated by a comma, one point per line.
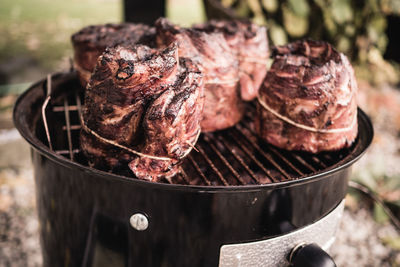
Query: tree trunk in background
x=145, y=11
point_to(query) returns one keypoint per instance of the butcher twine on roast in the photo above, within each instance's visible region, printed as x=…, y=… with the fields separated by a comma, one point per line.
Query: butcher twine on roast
x=142, y=109
x=308, y=99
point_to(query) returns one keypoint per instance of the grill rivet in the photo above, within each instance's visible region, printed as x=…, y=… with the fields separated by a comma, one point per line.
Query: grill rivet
x=139, y=221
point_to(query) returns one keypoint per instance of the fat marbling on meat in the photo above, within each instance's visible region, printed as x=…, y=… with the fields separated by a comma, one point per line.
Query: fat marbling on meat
x=223, y=106
x=142, y=109
x=249, y=43
x=308, y=99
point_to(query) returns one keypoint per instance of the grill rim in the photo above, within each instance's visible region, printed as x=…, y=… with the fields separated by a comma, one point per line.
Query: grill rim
x=33, y=94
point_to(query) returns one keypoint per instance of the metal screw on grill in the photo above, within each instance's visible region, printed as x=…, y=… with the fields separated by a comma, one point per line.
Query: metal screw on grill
x=139, y=221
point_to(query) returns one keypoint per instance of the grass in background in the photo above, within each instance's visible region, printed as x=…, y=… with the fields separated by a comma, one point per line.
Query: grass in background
x=36, y=33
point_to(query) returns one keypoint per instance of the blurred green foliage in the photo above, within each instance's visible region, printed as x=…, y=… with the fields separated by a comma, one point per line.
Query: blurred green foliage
x=35, y=34
x=356, y=28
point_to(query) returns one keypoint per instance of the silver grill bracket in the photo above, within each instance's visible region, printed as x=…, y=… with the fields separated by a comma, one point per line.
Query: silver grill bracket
x=275, y=251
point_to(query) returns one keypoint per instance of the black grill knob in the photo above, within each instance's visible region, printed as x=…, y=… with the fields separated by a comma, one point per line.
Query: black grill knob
x=310, y=255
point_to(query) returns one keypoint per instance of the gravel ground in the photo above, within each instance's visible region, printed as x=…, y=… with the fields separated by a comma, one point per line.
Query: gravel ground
x=360, y=241
x=19, y=239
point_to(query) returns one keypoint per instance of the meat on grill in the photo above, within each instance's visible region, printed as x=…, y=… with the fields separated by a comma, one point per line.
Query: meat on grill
x=308, y=99
x=143, y=100
x=90, y=42
x=223, y=106
x=249, y=43
x=172, y=124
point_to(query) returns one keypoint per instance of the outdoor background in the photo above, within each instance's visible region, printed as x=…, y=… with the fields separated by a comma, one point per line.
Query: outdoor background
x=35, y=41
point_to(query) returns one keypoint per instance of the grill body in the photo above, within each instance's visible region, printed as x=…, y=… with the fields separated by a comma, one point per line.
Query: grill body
x=186, y=226
x=84, y=213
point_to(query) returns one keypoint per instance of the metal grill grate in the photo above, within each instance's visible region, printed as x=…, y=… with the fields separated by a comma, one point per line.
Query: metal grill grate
x=234, y=156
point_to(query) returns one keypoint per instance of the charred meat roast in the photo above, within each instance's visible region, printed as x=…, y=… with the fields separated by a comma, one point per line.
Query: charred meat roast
x=233, y=58
x=308, y=99
x=90, y=42
x=223, y=106
x=143, y=109
x=150, y=91
x=249, y=43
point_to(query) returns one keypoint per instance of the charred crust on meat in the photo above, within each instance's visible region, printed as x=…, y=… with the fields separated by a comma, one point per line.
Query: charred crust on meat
x=139, y=99
x=307, y=87
x=90, y=42
x=107, y=109
x=126, y=71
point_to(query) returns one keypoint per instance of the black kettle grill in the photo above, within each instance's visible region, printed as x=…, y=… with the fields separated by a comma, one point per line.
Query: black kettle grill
x=237, y=201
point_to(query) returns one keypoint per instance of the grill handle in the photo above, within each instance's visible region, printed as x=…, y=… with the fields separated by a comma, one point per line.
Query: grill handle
x=310, y=255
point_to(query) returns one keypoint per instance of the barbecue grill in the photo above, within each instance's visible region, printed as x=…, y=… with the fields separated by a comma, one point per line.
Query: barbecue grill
x=236, y=202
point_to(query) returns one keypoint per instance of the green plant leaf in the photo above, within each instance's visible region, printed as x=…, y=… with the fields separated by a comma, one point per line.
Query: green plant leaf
x=372, y=6
x=277, y=34
x=260, y=20
x=255, y=7
x=379, y=214
x=392, y=242
x=329, y=23
x=344, y=44
x=299, y=7
x=270, y=5
x=390, y=7
x=295, y=26
x=350, y=29
x=243, y=9
x=341, y=11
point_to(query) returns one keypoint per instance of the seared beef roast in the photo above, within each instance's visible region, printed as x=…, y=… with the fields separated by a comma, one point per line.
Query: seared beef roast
x=223, y=106
x=143, y=108
x=172, y=124
x=249, y=43
x=90, y=42
x=308, y=99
